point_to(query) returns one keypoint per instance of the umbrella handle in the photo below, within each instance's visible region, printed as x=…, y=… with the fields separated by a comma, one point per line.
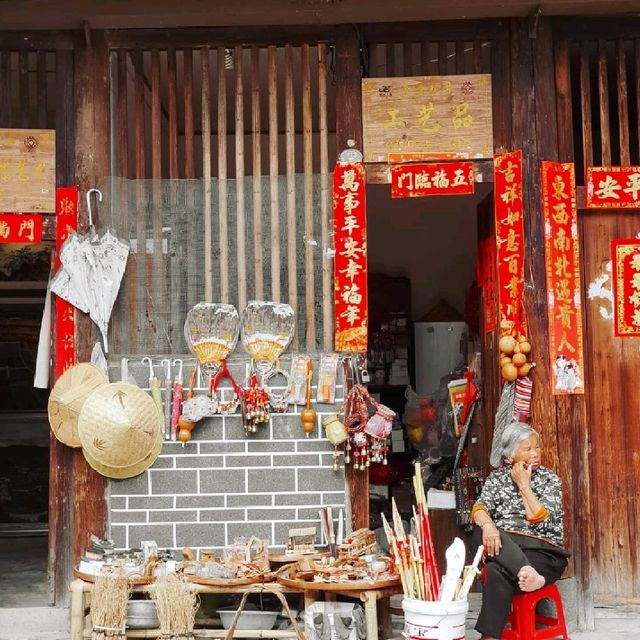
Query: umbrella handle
x=147, y=360
x=89, y=211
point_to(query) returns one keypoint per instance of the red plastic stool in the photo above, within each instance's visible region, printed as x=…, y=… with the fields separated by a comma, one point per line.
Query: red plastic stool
x=523, y=621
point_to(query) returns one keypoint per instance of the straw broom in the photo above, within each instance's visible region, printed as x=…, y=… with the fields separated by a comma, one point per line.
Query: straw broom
x=109, y=606
x=176, y=605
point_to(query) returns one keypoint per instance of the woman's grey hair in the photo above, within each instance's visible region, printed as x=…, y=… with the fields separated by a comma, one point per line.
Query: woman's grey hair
x=512, y=435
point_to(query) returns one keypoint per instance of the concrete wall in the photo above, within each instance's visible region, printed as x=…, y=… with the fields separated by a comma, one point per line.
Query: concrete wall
x=224, y=483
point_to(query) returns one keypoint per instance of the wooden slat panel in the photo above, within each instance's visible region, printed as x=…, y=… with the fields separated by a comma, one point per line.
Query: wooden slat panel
x=176, y=249
x=407, y=59
x=307, y=151
x=585, y=106
x=325, y=199
x=222, y=179
x=637, y=77
x=477, y=62
x=273, y=172
x=424, y=58
x=23, y=83
x=460, y=56
x=140, y=174
x=241, y=231
x=41, y=81
x=442, y=58
x=206, y=177
x=623, y=108
x=258, y=273
x=5, y=87
x=189, y=171
x=173, y=113
x=391, y=59
x=603, y=95
x=564, y=113
x=290, y=137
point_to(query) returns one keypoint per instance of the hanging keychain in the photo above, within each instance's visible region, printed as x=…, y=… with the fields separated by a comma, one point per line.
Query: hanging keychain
x=231, y=406
x=255, y=405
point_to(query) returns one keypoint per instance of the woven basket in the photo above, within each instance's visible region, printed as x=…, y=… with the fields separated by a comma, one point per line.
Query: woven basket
x=120, y=430
x=67, y=398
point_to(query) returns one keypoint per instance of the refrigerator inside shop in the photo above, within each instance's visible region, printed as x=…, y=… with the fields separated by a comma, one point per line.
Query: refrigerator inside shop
x=437, y=352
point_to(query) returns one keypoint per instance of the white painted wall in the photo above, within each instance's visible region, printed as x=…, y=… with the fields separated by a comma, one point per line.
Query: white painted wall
x=430, y=240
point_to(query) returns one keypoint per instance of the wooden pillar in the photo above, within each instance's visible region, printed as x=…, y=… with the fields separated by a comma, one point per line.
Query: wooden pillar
x=91, y=168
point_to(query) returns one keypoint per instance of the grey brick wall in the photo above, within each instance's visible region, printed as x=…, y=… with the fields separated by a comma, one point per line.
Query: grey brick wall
x=225, y=483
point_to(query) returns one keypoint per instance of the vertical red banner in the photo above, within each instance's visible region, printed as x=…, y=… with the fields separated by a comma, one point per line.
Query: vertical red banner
x=66, y=224
x=487, y=281
x=350, y=267
x=562, y=263
x=509, y=239
x=626, y=287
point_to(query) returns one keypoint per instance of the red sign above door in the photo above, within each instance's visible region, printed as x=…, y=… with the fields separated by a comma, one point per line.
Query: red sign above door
x=433, y=179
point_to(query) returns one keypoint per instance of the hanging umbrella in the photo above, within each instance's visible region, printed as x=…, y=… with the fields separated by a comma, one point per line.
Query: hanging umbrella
x=154, y=386
x=92, y=269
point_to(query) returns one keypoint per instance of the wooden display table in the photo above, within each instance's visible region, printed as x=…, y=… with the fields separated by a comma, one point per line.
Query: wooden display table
x=375, y=601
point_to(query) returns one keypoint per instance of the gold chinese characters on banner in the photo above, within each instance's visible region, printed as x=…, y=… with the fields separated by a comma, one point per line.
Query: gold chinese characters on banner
x=27, y=171
x=435, y=117
x=562, y=262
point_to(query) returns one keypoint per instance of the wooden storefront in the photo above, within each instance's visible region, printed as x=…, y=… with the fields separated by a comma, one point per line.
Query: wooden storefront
x=563, y=90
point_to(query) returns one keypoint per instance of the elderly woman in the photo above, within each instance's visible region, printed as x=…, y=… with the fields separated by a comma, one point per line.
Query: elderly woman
x=519, y=522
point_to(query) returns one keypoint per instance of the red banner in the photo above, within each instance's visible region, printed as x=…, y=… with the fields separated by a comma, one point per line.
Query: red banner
x=507, y=169
x=613, y=188
x=66, y=223
x=626, y=287
x=441, y=179
x=562, y=263
x=486, y=277
x=350, y=267
x=20, y=228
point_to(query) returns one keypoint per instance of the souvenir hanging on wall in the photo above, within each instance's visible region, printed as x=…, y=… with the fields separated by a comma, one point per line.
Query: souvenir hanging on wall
x=626, y=287
x=562, y=261
x=350, y=263
x=514, y=344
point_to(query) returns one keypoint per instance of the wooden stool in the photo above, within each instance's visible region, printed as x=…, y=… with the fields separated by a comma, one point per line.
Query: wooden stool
x=523, y=620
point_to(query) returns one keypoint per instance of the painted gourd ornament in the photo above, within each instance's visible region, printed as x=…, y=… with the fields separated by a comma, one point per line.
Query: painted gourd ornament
x=308, y=416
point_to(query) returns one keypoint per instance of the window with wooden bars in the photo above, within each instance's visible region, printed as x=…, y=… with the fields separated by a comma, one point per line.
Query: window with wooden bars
x=221, y=181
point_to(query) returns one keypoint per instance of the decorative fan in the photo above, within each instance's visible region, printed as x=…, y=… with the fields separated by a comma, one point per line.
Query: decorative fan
x=211, y=331
x=267, y=329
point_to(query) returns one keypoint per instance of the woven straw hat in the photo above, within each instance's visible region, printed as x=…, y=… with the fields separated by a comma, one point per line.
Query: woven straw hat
x=120, y=430
x=67, y=398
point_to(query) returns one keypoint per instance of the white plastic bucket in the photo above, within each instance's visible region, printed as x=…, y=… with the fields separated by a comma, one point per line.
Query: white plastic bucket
x=424, y=620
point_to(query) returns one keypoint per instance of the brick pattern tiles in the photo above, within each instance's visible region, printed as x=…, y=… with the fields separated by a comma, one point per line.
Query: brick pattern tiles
x=224, y=484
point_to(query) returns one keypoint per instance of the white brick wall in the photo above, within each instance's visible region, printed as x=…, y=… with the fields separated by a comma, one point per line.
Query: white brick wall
x=225, y=483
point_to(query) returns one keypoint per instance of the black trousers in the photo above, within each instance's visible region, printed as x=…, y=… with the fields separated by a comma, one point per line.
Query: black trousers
x=502, y=575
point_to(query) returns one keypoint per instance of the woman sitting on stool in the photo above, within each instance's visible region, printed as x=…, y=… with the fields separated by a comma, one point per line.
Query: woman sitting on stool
x=519, y=522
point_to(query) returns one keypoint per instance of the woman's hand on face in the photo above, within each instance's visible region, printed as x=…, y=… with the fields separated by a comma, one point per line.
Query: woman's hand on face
x=521, y=474
x=491, y=539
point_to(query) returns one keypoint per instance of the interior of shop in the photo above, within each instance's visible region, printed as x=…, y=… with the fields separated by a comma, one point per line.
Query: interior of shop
x=425, y=313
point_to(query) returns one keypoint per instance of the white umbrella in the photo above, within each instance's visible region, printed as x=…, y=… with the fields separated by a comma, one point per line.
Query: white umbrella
x=92, y=269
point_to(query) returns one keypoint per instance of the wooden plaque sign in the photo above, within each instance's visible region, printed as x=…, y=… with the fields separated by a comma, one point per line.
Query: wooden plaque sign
x=434, y=117
x=27, y=171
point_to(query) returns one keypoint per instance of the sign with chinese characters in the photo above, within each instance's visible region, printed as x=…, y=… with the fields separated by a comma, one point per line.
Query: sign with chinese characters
x=443, y=179
x=507, y=169
x=613, y=188
x=438, y=117
x=27, y=170
x=562, y=262
x=486, y=276
x=626, y=287
x=16, y=228
x=66, y=224
x=350, y=265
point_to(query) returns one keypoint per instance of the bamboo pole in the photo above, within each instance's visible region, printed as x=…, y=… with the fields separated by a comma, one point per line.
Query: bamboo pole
x=139, y=341
x=273, y=173
x=241, y=231
x=222, y=178
x=309, y=245
x=290, y=136
x=258, y=274
x=325, y=195
x=206, y=175
x=189, y=174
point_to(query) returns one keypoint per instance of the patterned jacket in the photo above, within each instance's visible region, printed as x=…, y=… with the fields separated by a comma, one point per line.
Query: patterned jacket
x=501, y=499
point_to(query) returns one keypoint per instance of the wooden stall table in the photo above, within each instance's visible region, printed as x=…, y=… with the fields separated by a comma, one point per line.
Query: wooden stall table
x=375, y=598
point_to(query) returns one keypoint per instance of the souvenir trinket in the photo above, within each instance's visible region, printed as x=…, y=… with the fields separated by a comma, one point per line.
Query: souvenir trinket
x=327, y=375
x=228, y=407
x=336, y=435
x=255, y=406
x=298, y=378
x=308, y=416
x=279, y=402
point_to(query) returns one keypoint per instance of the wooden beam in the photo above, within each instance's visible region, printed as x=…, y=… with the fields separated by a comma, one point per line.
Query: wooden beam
x=91, y=166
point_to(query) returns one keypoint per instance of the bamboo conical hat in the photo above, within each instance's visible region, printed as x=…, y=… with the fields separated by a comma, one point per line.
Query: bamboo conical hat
x=68, y=396
x=120, y=430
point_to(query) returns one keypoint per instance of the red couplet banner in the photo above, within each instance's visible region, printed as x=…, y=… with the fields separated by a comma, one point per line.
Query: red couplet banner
x=613, y=188
x=509, y=239
x=350, y=266
x=66, y=224
x=562, y=262
x=626, y=287
x=21, y=228
x=433, y=179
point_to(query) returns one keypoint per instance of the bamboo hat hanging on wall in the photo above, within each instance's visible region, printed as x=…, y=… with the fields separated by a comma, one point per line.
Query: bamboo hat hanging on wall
x=120, y=430
x=67, y=398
